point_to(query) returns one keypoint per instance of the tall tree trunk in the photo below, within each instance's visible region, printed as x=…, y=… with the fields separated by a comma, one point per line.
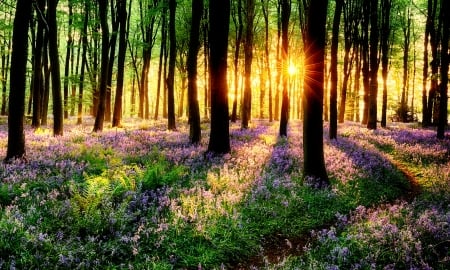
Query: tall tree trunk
x=172, y=59
x=162, y=52
x=265, y=9
x=285, y=15
x=279, y=65
x=237, y=49
x=386, y=33
x=334, y=69
x=435, y=61
x=194, y=44
x=38, y=80
x=374, y=38
x=365, y=59
x=219, y=18
x=248, y=53
x=112, y=53
x=54, y=61
x=83, y=62
x=122, y=17
x=425, y=117
x=16, y=136
x=406, y=46
x=100, y=117
x=314, y=161
x=443, y=102
x=69, y=48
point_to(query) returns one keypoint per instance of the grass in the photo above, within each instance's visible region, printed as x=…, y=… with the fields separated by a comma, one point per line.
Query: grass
x=145, y=199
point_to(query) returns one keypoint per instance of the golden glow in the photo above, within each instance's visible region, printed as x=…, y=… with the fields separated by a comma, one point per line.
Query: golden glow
x=292, y=69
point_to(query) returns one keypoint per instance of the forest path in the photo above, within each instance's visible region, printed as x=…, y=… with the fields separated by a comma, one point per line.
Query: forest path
x=279, y=248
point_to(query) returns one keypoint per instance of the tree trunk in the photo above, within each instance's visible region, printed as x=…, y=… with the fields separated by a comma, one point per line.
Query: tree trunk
x=334, y=69
x=16, y=136
x=171, y=73
x=38, y=80
x=194, y=44
x=122, y=17
x=100, y=117
x=54, y=62
x=248, y=53
x=386, y=33
x=219, y=14
x=403, y=110
x=314, y=162
x=284, y=116
x=365, y=60
x=237, y=49
x=69, y=47
x=374, y=38
x=443, y=102
x=265, y=9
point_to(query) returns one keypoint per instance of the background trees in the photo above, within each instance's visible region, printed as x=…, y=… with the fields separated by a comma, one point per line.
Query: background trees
x=149, y=39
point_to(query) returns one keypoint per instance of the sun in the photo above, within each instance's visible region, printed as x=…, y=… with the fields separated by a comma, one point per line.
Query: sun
x=292, y=69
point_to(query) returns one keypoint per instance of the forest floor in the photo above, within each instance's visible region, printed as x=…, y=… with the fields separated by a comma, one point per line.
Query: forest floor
x=142, y=197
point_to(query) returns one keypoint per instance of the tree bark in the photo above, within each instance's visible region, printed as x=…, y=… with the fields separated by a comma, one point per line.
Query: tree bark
x=314, y=161
x=100, y=117
x=171, y=73
x=16, y=136
x=284, y=116
x=194, y=45
x=248, y=54
x=385, y=42
x=55, y=67
x=334, y=69
x=122, y=17
x=219, y=18
x=443, y=102
x=374, y=39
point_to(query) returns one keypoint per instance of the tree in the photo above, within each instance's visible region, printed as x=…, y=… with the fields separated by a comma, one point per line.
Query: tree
x=172, y=59
x=334, y=69
x=248, y=59
x=374, y=38
x=54, y=62
x=194, y=44
x=285, y=15
x=385, y=44
x=443, y=102
x=239, y=25
x=122, y=17
x=16, y=136
x=100, y=117
x=219, y=19
x=314, y=161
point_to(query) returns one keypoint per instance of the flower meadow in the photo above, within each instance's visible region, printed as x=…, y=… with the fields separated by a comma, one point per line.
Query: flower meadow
x=142, y=197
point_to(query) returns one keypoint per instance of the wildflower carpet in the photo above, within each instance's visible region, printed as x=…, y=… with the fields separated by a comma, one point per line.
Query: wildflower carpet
x=142, y=197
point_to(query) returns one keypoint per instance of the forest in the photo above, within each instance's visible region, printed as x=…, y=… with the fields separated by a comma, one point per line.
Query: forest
x=232, y=134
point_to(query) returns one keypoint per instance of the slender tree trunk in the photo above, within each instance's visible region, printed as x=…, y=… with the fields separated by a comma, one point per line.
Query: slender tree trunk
x=365, y=60
x=54, y=61
x=374, y=38
x=194, y=44
x=314, y=161
x=172, y=59
x=99, y=119
x=161, y=63
x=69, y=47
x=265, y=9
x=240, y=29
x=16, y=136
x=122, y=17
x=406, y=46
x=248, y=52
x=443, y=102
x=386, y=33
x=219, y=14
x=425, y=117
x=284, y=116
x=334, y=69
